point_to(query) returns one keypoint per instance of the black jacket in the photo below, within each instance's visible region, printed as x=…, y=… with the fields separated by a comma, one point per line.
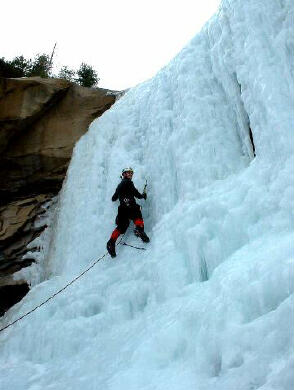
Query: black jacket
x=126, y=193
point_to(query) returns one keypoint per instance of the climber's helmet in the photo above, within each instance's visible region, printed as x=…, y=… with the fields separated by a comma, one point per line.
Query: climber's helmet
x=127, y=170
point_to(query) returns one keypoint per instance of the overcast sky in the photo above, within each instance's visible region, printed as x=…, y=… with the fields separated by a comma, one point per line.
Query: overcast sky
x=126, y=41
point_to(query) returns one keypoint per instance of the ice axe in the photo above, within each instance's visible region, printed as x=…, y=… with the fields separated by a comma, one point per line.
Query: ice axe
x=145, y=188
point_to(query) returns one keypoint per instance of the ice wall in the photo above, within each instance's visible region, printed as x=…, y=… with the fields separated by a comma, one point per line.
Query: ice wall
x=208, y=304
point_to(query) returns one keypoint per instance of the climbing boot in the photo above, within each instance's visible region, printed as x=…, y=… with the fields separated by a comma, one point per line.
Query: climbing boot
x=139, y=232
x=111, y=248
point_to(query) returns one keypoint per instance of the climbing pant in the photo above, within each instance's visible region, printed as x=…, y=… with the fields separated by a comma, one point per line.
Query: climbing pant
x=122, y=220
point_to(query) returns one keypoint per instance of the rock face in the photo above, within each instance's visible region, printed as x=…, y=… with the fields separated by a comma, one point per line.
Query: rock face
x=17, y=230
x=40, y=122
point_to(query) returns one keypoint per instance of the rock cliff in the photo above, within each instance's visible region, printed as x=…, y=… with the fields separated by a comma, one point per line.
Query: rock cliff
x=40, y=122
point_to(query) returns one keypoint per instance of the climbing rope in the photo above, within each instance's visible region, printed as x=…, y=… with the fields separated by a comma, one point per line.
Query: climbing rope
x=67, y=285
x=136, y=247
x=57, y=292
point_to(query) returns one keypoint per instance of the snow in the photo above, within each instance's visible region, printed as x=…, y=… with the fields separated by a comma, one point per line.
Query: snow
x=208, y=305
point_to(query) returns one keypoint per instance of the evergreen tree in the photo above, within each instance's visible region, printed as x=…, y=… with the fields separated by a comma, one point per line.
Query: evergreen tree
x=87, y=76
x=40, y=66
x=5, y=69
x=18, y=67
x=21, y=66
x=66, y=73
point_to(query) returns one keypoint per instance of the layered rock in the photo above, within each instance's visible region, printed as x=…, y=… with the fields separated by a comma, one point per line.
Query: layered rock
x=40, y=122
x=17, y=230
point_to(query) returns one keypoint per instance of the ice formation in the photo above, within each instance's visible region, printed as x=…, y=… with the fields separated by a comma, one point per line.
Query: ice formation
x=208, y=305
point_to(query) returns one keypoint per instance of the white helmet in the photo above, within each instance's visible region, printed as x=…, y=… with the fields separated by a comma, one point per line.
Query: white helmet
x=129, y=169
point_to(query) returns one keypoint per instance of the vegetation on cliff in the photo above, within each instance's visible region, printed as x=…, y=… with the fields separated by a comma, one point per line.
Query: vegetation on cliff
x=42, y=66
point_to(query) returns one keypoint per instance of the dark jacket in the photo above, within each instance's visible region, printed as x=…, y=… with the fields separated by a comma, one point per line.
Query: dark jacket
x=126, y=193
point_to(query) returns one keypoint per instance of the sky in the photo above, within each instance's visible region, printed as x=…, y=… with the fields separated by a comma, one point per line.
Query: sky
x=126, y=41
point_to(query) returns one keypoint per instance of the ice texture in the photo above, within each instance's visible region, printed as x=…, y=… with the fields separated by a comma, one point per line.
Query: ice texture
x=208, y=305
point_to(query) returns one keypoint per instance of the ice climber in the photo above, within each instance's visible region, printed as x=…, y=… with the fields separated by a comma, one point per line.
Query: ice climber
x=128, y=209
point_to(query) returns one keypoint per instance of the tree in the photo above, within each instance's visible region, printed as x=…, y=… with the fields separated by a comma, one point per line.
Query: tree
x=40, y=66
x=87, y=76
x=21, y=66
x=18, y=67
x=5, y=68
x=66, y=73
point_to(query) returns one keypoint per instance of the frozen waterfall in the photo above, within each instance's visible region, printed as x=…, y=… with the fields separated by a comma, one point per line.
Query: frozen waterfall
x=208, y=305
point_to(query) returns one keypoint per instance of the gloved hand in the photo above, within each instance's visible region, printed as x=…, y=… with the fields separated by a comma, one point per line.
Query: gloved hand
x=144, y=195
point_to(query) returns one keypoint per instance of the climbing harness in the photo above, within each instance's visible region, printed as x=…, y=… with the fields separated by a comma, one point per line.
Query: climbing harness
x=57, y=292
